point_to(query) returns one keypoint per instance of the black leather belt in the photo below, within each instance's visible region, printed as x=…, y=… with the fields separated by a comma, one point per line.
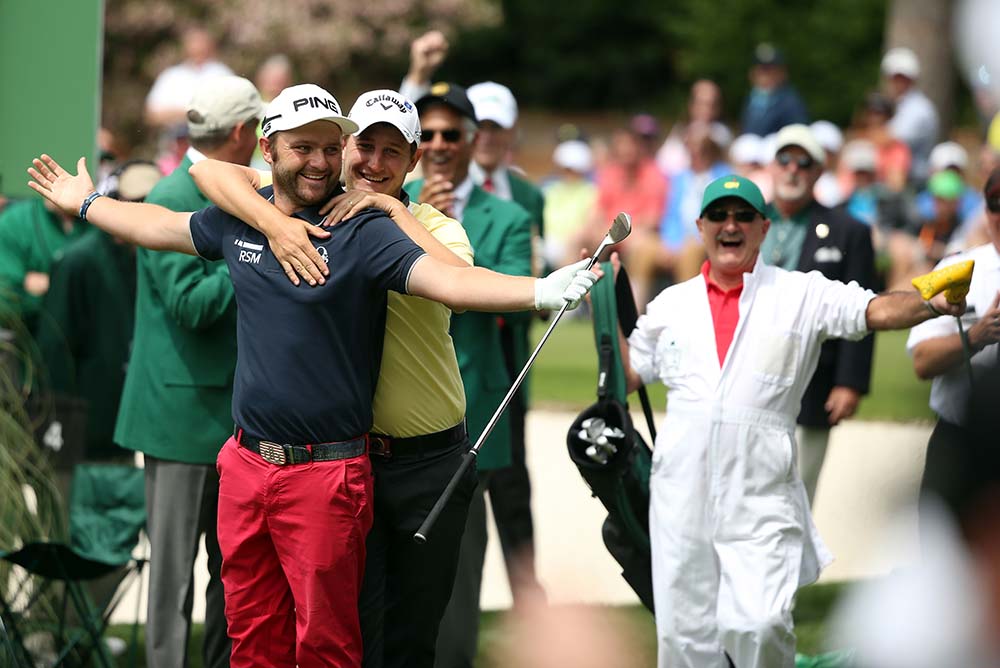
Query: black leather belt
x=282, y=454
x=387, y=446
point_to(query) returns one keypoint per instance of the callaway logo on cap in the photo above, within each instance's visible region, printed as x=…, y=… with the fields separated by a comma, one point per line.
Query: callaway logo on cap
x=387, y=106
x=300, y=105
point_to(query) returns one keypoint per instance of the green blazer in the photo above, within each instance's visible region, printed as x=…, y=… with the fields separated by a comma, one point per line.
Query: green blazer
x=177, y=399
x=529, y=196
x=500, y=234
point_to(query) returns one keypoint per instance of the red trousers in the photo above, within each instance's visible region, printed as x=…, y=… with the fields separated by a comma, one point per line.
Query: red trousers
x=293, y=554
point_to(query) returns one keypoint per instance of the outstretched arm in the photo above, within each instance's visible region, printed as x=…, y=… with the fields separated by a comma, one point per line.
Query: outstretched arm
x=899, y=310
x=146, y=225
x=233, y=188
x=479, y=289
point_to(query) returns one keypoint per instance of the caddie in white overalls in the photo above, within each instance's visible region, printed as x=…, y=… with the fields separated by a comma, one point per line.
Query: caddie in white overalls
x=732, y=537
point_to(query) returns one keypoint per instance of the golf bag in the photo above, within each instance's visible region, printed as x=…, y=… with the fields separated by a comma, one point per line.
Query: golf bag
x=610, y=454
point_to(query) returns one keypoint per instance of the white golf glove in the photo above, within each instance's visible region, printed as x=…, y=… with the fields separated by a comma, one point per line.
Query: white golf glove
x=568, y=284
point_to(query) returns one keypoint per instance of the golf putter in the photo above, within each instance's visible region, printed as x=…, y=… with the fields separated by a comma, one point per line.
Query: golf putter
x=621, y=227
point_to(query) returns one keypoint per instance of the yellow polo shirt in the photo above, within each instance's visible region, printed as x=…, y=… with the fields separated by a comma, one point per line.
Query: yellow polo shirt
x=420, y=388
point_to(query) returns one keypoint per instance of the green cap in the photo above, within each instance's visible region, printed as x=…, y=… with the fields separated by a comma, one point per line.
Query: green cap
x=946, y=184
x=733, y=186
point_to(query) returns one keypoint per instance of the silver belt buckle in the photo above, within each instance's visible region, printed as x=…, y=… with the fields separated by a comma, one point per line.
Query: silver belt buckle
x=273, y=453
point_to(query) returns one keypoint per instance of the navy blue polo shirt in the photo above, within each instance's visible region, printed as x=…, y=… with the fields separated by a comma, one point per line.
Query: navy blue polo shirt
x=308, y=357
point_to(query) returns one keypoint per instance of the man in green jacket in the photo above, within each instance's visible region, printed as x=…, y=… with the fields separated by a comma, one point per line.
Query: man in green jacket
x=176, y=404
x=510, y=487
x=500, y=234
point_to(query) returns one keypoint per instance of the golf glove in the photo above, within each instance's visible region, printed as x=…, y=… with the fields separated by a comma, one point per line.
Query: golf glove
x=568, y=284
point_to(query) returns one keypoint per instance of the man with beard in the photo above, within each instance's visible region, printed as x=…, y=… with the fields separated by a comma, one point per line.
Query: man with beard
x=730, y=531
x=805, y=235
x=295, y=494
x=419, y=405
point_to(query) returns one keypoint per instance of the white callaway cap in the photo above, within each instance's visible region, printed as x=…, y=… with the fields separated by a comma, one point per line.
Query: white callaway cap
x=493, y=102
x=387, y=106
x=300, y=105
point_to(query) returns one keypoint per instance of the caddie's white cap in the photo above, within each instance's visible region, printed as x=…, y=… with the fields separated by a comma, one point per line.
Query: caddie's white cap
x=219, y=103
x=493, y=102
x=901, y=61
x=828, y=135
x=300, y=105
x=387, y=106
x=948, y=154
x=575, y=155
x=800, y=135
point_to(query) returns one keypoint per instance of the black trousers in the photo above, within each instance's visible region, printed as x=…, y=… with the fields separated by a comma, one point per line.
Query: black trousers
x=510, y=490
x=407, y=586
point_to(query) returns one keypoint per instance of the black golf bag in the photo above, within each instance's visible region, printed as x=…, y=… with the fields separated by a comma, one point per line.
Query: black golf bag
x=610, y=454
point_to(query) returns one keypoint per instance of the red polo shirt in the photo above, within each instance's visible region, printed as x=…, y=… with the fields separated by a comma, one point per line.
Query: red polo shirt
x=725, y=307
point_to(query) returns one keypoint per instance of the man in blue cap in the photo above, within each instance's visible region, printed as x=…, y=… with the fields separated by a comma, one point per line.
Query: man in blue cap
x=730, y=530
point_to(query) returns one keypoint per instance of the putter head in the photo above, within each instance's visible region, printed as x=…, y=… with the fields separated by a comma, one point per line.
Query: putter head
x=621, y=227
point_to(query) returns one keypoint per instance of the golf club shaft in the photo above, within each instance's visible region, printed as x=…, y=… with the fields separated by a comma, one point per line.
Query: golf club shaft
x=421, y=535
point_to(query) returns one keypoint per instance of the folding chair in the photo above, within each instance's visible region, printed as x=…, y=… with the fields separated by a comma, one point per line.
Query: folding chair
x=107, y=513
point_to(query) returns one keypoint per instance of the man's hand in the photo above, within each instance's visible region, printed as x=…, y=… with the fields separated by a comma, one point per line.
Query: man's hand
x=567, y=285
x=439, y=193
x=427, y=52
x=298, y=257
x=60, y=187
x=945, y=307
x=987, y=330
x=353, y=202
x=841, y=403
x=36, y=283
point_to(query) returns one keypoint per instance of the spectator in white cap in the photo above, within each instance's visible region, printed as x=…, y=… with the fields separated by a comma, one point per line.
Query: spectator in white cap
x=916, y=119
x=569, y=201
x=805, y=235
x=828, y=190
x=748, y=156
x=952, y=156
x=490, y=169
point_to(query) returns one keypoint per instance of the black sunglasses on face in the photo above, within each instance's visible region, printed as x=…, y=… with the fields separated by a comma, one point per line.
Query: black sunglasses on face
x=785, y=158
x=451, y=135
x=739, y=215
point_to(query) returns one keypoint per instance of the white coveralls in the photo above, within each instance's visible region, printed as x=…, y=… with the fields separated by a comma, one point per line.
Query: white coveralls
x=731, y=533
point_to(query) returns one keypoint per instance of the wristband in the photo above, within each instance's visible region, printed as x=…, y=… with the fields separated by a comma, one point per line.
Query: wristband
x=930, y=307
x=86, y=204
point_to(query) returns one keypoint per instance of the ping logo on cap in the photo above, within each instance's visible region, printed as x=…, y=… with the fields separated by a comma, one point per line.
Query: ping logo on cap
x=730, y=185
x=439, y=89
x=327, y=103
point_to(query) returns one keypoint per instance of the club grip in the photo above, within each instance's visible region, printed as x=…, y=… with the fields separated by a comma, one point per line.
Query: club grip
x=421, y=536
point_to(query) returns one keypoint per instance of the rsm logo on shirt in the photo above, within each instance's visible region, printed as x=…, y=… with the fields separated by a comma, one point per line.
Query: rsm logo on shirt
x=249, y=252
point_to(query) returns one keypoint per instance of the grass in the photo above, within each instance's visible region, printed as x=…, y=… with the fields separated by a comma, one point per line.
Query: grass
x=565, y=376
x=813, y=605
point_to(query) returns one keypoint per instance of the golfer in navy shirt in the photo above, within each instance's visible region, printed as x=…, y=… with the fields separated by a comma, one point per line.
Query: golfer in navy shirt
x=295, y=484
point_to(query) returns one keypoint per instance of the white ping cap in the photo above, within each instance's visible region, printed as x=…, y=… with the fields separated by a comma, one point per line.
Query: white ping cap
x=300, y=105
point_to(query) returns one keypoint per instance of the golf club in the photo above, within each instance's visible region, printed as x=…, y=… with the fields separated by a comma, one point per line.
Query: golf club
x=621, y=227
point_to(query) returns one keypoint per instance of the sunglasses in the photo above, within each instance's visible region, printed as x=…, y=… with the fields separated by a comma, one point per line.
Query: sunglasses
x=450, y=135
x=785, y=158
x=739, y=215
